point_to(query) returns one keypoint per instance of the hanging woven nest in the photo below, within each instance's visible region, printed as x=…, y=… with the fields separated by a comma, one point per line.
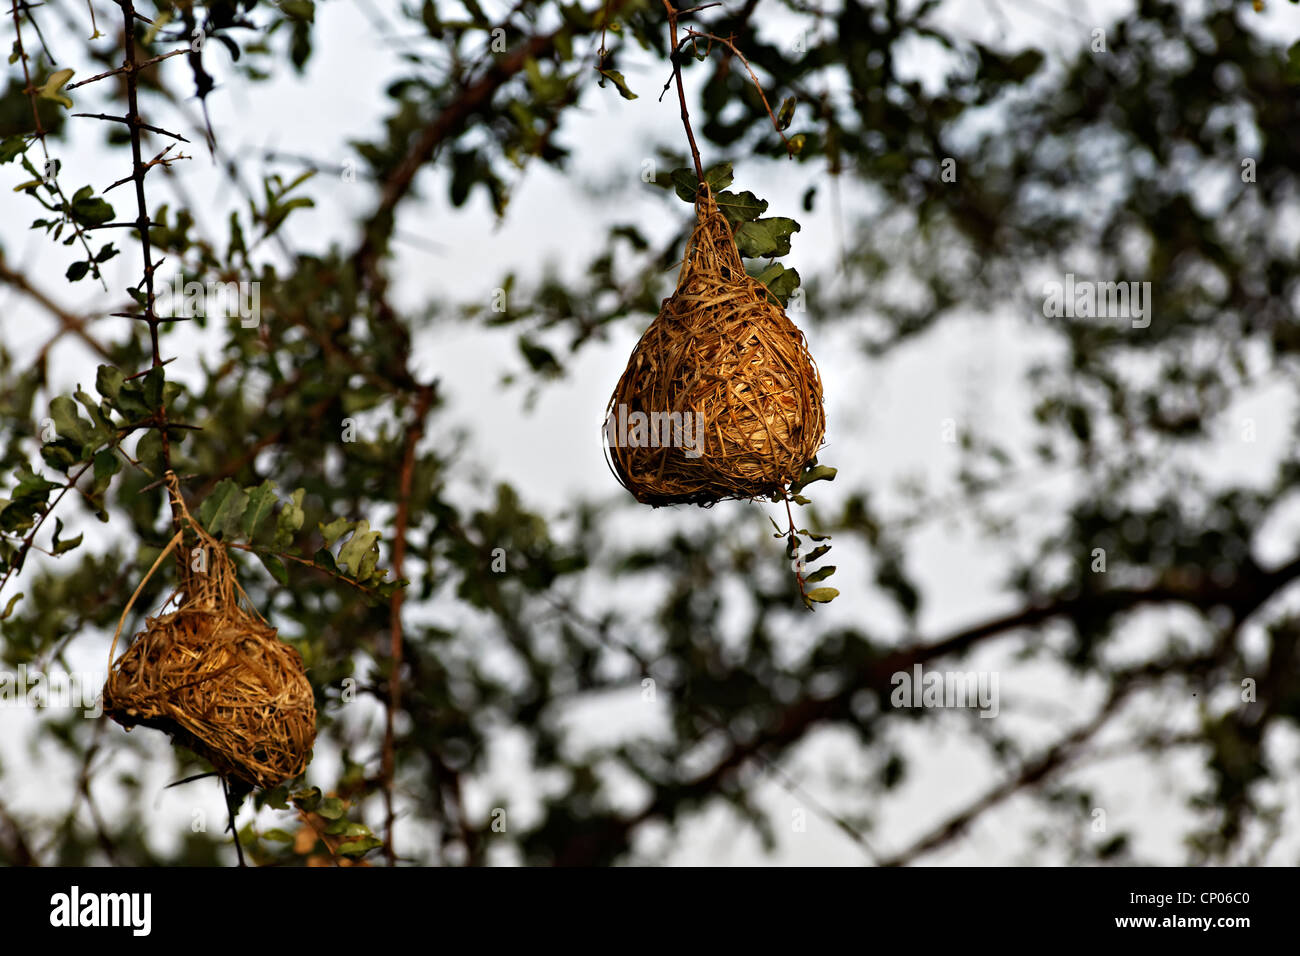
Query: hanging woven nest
x=214, y=675
x=721, y=398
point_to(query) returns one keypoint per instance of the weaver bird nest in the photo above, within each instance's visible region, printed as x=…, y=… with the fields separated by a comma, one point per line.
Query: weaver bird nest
x=720, y=398
x=214, y=675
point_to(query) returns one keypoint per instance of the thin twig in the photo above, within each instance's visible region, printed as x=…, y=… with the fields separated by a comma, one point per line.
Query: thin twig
x=675, y=56
x=794, y=551
x=130, y=66
x=692, y=34
x=413, y=435
x=122, y=119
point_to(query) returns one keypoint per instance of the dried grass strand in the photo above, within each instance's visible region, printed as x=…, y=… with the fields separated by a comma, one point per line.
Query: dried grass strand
x=213, y=674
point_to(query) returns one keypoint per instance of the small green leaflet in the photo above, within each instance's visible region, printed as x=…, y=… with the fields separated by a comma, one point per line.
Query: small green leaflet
x=290, y=520
x=781, y=283
x=361, y=553
x=334, y=530
x=765, y=237
x=61, y=547
x=224, y=508
x=615, y=77
x=740, y=207
x=260, y=502
x=786, y=114
x=817, y=473
x=53, y=88
x=9, y=608
x=718, y=178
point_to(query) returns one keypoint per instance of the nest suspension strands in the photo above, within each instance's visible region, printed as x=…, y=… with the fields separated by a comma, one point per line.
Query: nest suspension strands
x=213, y=674
x=721, y=397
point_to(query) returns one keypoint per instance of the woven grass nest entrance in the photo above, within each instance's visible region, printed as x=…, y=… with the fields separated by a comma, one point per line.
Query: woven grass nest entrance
x=721, y=398
x=214, y=675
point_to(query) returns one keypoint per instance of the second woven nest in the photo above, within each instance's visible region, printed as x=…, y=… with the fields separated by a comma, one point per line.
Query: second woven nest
x=721, y=397
x=214, y=675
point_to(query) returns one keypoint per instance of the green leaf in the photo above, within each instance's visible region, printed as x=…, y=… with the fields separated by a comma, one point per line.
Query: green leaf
x=277, y=835
x=821, y=574
x=102, y=429
x=780, y=281
x=540, y=359
x=823, y=595
x=12, y=147
x=91, y=210
x=785, y=115
x=290, y=520
x=32, y=485
x=53, y=87
x=347, y=828
x=331, y=808
x=359, y=847
x=150, y=454
x=261, y=500
x=67, y=422
x=108, y=382
x=276, y=567
x=765, y=237
x=9, y=608
x=616, y=78
x=223, y=510
x=62, y=547
x=334, y=530
x=741, y=207
x=77, y=271
x=819, y=473
x=308, y=799
x=718, y=177
x=57, y=457
x=107, y=464
x=151, y=387
x=361, y=543
x=816, y=553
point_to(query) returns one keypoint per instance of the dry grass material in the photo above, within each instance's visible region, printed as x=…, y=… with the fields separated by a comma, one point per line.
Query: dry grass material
x=723, y=351
x=214, y=675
